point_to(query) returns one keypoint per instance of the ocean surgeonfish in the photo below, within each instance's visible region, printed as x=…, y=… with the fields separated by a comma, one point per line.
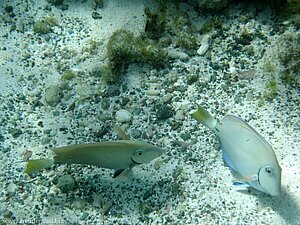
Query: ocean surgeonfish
x=245, y=151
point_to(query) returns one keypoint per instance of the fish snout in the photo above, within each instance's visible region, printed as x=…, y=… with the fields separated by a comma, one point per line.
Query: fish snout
x=270, y=179
x=146, y=155
x=155, y=153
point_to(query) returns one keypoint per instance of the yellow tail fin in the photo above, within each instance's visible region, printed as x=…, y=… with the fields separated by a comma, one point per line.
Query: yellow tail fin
x=38, y=164
x=202, y=116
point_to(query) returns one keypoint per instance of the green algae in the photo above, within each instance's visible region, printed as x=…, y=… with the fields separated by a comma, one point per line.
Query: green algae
x=272, y=90
x=68, y=75
x=212, y=24
x=289, y=58
x=269, y=67
x=44, y=25
x=169, y=19
x=124, y=48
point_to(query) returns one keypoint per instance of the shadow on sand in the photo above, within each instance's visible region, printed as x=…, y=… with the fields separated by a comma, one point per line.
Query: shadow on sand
x=285, y=205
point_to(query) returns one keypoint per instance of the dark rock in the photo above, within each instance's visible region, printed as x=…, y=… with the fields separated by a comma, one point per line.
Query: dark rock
x=53, y=95
x=192, y=79
x=66, y=183
x=102, y=131
x=8, y=9
x=113, y=91
x=164, y=112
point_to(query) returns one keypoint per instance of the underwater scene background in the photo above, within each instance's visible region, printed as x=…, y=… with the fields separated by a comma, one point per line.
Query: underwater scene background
x=71, y=69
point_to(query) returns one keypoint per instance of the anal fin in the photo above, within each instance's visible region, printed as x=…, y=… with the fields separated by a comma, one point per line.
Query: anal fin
x=122, y=174
x=227, y=159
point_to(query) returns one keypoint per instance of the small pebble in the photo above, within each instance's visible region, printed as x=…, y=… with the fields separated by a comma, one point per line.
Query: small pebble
x=249, y=96
x=123, y=116
x=135, y=133
x=79, y=204
x=175, y=54
x=206, y=78
x=26, y=155
x=11, y=189
x=179, y=115
x=53, y=95
x=84, y=216
x=66, y=183
x=247, y=74
x=205, y=43
x=185, y=136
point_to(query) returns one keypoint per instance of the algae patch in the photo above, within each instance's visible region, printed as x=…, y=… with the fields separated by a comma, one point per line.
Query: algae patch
x=124, y=48
x=168, y=19
x=272, y=89
x=44, y=25
x=289, y=57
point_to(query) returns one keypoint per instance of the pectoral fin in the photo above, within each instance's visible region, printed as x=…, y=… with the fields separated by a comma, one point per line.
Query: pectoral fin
x=241, y=184
x=118, y=172
x=244, y=181
x=122, y=174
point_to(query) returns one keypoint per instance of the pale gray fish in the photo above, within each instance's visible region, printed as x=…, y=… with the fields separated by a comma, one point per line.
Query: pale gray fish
x=245, y=151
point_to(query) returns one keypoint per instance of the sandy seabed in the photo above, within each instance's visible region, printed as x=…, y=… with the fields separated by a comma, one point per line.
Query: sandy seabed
x=190, y=184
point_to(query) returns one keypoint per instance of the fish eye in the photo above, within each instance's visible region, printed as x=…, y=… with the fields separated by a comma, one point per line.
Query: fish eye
x=139, y=153
x=268, y=170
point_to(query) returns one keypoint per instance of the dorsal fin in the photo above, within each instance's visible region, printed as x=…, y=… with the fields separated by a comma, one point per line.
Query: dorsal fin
x=122, y=135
